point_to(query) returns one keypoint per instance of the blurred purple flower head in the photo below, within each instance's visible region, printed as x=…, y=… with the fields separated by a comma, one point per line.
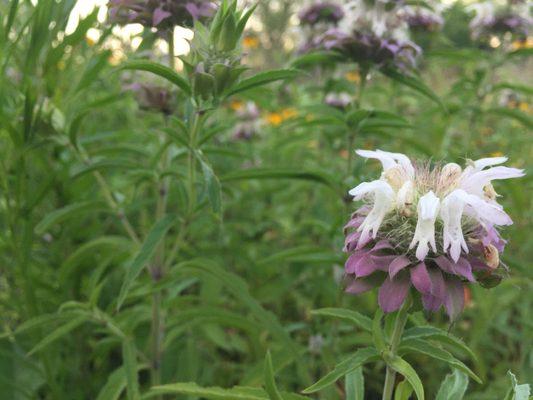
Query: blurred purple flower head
x=338, y=100
x=431, y=229
x=321, y=12
x=152, y=97
x=370, y=49
x=488, y=20
x=248, y=125
x=160, y=14
x=424, y=21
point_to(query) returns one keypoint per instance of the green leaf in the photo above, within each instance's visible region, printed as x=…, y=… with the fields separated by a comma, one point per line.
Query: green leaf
x=377, y=331
x=453, y=387
x=401, y=366
x=58, y=333
x=116, y=383
x=441, y=336
x=156, y=234
x=356, y=318
x=270, y=382
x=160, y=70
x=263, y=78
x=403, y=391
x=359, y=358
x=312, y=59
x=519, y=392
x=280, y=173
x=355, y=385
x=414, y=83
x=129, y=360
x=72, y=210
x=212, y=185
x=421, y=346
x=216, y=393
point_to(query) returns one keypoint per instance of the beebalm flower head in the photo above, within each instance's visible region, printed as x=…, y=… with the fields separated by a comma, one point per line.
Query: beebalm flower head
x=160, y=14
x=514, y=19
x=433, y=228
x=325, y=12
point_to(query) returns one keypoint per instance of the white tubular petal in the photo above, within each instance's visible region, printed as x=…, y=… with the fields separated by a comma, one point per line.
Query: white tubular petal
x=486, y=162
x=383, y=203
x=451, y=213
x=485, y=212
x=428, y=207
x=403, y=160
x=405, y=195
x=476, y=181
x=365, y=188
x=386, y=160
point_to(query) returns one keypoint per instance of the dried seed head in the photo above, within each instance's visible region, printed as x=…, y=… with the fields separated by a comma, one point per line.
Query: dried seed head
x=492, y=257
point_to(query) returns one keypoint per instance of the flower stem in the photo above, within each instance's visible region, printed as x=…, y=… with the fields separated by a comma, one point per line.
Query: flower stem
x=399, y=325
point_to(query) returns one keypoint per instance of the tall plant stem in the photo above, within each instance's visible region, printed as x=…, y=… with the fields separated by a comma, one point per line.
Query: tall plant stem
x=399, y=325
x=357, y=105
x=158, y=270
x=193, y=134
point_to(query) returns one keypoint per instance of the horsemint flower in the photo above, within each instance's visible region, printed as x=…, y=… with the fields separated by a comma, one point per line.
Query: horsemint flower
x=433, y=228
x=514, y=19
x=160, y=14
x=371, y=33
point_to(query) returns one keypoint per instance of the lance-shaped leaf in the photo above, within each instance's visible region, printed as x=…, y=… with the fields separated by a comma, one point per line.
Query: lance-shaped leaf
x=403, y=367
x=59, y=332
x=355, y=385
x=423, y=347
x=156, y=234
x=359, y=358
x=263, y=78
x=453, y=387
x=160, y=70
x=354, y=317
x=270, y=381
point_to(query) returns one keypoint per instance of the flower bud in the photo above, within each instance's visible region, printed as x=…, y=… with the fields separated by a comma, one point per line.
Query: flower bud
x=395, y=177
x=449, y=176
x=492, y=257
x=203, y=83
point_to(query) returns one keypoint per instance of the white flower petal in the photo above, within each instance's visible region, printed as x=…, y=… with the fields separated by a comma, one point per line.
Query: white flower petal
x=383, y=203
x=386, y=160
x=476, y=181
x=486, y=212
x=486, y=162
x=451, y=212
x=428, y=207
x=405, y=195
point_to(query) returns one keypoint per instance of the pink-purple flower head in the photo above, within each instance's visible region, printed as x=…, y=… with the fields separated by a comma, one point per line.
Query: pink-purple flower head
x=431, y=228
x=160, y=14
x=325, y=12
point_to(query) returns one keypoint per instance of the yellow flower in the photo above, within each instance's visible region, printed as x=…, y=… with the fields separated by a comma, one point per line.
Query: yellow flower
x=274, y=118
x=90, y=41
x=496, y=154
x=288, y=113
x=523, y=44
x=353, y=76
x=250, y=42
x=523, y=106
x=236, y=105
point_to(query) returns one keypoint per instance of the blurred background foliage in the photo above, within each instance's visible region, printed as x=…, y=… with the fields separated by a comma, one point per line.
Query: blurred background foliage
x=247, y=279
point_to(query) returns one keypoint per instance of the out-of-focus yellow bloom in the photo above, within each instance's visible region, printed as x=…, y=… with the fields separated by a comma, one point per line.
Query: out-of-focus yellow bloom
x=61, y=65
x=523, y=106
x=250, y=42
x=288, y=113
x=274, y=118
x=523, y=44
x=353, y=76
x=236, y=105
x=496, y=154
x=116, y=57
x=90, y=41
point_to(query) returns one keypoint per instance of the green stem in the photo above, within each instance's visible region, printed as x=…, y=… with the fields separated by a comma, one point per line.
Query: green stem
x=399, y=325
x=193, y=134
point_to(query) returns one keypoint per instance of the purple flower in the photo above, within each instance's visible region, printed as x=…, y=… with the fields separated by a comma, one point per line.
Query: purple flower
x=432, y=230
x=371, y=49
x=321, y=12
x=152, y=97
x=161, y=14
